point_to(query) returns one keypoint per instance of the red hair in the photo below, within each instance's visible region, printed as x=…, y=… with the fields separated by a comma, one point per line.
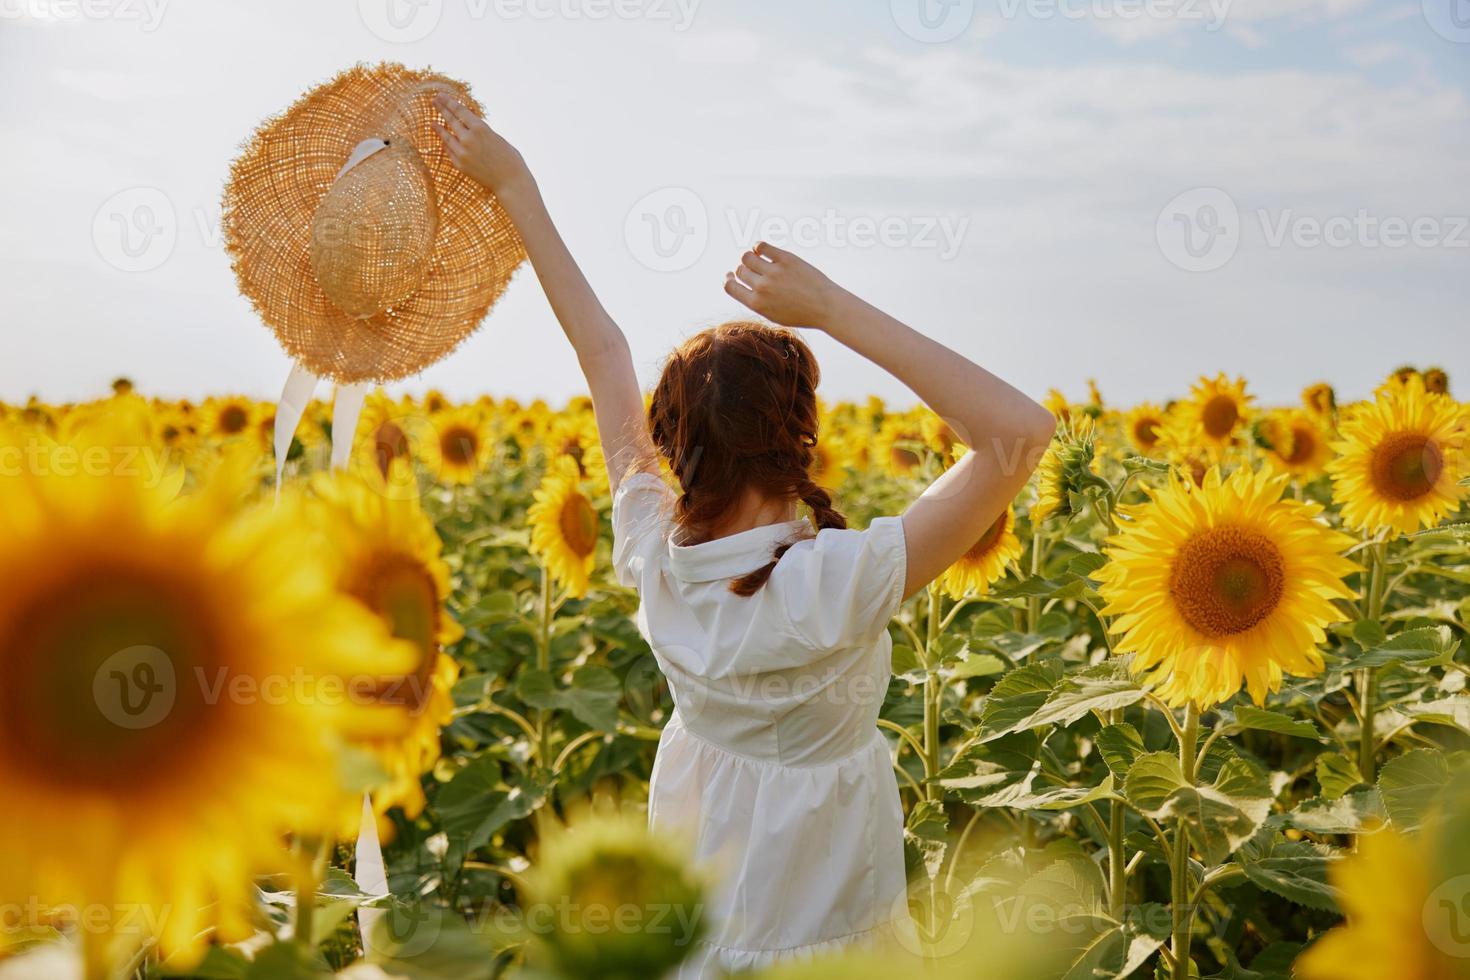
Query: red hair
x=736, y=409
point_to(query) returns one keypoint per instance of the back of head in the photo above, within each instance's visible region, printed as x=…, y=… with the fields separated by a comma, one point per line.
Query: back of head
x=736, y=410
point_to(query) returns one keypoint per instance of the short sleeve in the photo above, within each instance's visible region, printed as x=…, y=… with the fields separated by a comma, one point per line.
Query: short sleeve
x=842, y=587
x=641, y=514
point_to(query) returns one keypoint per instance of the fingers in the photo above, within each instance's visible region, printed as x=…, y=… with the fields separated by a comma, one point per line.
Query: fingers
x=768, y=251
x=450, y=137
x=738, y=290
x=454, y=113
x=754, y=265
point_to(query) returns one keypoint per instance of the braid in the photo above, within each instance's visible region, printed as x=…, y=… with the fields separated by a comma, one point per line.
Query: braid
x=823, y=514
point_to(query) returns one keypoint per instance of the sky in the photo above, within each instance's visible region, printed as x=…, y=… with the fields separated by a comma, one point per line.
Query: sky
x=1136, y=191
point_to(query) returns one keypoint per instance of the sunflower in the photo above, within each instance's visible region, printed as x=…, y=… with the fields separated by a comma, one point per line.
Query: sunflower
x=1400, y=461
x=1387, y=890
x=1144, y=425
x=564, y=529
x=391, y=564
x=938, y=435
x=572, y=437
x=1224, y=584
x=228, y=418
x=1220, y=407
x=1436, y=381
x=1070, y=453
x=985, y=562
x=1299, y=444
x=829, y=461
x=461, y=445
x=899, y=446
x=1319, y=399
x=168, y=710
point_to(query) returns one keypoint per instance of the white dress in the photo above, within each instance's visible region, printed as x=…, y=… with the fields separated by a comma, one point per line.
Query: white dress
x=772, y=764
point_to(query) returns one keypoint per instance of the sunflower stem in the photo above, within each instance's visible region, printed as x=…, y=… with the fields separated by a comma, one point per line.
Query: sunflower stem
x=543, y=664
x=1033, y=603
x=1117, y=869
x=933, y=695
x=1367, y=679
x=1183, y=911
x=313, y=853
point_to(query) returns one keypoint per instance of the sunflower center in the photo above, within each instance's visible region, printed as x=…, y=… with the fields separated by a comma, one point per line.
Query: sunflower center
x=233, y=420
x=401, y=591
x=1219, y=416
x=459, y=445
x=1146, y=432
x=1227, y=579
x=107, y=679
x=579, y=525
x=989, y=539
x=1406, y=466
x=389, y=443
x=1301, y=445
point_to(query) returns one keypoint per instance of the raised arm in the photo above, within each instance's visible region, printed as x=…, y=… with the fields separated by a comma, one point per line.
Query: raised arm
x=601, y=348
x=1006, y=431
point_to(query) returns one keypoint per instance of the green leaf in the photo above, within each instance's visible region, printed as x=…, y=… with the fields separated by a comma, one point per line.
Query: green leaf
x=1119, y=745
x=1427, y=646
x=497, y=607
x=1017, y=696
x=1104, y=687
x=994, y=773
x=1352, y=813
x=1336, y=774
x=1293, y=870
x=219, y=963
x=906, y=660
x=977, y=665
x=1250, y=717
x=476, y=802
x=593, y=697
x=1066, y=797
x=1153, y=778
x=431, y=944
x=1055, y=627
x=1453, y=712
x=285, y=960
x=1086, y=563
x=1410, y=783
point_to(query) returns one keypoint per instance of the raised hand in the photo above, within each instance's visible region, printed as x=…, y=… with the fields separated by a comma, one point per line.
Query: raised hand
x=783, y=288
x=479, y=151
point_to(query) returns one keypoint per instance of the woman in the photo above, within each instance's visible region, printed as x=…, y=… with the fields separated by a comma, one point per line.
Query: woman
x=772, y=634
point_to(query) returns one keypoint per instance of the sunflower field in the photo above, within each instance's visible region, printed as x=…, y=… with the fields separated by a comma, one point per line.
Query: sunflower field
x=1194, y=706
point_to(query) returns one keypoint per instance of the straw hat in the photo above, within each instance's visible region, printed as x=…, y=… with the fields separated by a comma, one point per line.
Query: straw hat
x=356, y=239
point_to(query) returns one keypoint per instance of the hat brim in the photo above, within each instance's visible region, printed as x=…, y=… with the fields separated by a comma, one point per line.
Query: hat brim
x=280, y=178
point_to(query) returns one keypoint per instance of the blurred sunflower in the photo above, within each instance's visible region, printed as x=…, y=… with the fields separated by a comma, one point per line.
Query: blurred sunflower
x=391, y=564
x=986, y=561
x=461, y=445
x=1400, y=461
x=1436, y=381
x=227, y=417
x=899, y=446
x=390, y=439
x=1221, y=585
x=938, y=435
x=141, y=639
x=1220, y=406
x=1387, y=891
x=601, y=868
x=1144, y=424
x=564, y=529
x=829, y=461
x=1299, y=444
x=1319, y=399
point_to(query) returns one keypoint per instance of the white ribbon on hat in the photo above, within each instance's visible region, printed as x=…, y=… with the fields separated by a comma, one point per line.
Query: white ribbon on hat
x=301, y=384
